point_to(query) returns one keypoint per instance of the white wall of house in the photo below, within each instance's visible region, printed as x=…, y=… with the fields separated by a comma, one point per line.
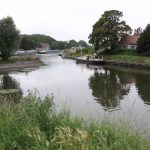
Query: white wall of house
x=131, y=46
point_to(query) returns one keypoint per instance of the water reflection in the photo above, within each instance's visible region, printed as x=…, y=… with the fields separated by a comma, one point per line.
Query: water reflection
x=143, y=86
x=88, y=91
x=140, y=78
x=7, y=82
x=66, y=79
x=108, y=87
x=110, y=84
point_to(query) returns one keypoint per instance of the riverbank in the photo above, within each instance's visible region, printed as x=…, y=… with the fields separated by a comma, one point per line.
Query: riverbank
x=34, y=124
x=20, y=62
x=130, y=61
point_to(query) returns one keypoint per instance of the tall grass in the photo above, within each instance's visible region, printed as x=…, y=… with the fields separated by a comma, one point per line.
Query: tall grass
x=34, y=124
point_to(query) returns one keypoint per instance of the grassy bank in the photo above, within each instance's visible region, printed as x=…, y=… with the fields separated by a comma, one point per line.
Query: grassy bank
x=127, y=55
x=34, y=124
x=127, y=58
x=13, y=59
x=20, y=62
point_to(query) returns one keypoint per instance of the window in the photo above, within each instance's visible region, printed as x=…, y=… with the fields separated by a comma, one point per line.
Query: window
x=133, y=47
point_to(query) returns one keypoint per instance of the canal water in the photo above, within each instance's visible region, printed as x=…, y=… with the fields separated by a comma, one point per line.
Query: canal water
x=92, y=92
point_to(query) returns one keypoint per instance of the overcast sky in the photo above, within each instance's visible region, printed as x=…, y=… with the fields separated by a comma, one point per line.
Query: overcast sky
x=70, y=19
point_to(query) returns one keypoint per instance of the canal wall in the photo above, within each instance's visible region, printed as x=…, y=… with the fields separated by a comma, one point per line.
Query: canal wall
x=70, y=58
x=118, y=63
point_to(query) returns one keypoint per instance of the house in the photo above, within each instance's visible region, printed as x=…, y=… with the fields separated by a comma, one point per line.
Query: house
x=42, y=48
x=45, y=46
x=130, y=41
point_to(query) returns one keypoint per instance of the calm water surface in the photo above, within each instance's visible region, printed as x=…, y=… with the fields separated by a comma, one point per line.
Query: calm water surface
x=88, y=91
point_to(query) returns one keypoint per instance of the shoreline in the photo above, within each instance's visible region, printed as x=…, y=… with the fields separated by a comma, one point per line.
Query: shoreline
x=127, y=64
x=118, y=63
x=20, y=64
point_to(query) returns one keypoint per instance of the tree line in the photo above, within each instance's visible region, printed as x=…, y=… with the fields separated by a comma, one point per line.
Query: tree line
x=106, y=35
x=11, y=39
x=28, y=42
x=108, y=31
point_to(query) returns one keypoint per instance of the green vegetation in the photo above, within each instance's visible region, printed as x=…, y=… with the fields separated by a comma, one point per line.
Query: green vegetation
x=128, y=58
x=130, y=52
x=11, y=40
x=124, y=55
x=28, y=42
x=127, y=55
x=144, y=41
x=82, y=43
x=20, y=58
x=83, y=52
x=8, y=37
x=108, y=30
x=34, y=124
x=10, y=94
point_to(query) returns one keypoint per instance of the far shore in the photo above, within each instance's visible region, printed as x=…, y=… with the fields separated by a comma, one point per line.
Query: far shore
x=20, y=63
x=117, y=62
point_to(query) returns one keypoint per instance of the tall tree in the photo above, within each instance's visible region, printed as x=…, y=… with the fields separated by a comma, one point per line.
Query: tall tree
x=8, y=37
x=73, y=43
x=108, y=30
x=61, y=45
x=143, y=44
x=26, y=43
x=83, y=43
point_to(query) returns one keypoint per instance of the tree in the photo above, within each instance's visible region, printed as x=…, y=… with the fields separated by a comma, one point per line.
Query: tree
x=8, y=37
x=73, y=43
x=108, y=30
x=61, y=45
x=83, y=43
x=143, y=44
x=41, y=38
x=26, y=43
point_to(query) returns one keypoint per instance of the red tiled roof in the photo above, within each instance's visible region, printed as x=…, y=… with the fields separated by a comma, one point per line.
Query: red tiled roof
x=130, y=39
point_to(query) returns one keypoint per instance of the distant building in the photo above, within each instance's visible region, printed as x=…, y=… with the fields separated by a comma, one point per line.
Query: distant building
x=43, y=46
x=130, y=41
x=77, y=48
